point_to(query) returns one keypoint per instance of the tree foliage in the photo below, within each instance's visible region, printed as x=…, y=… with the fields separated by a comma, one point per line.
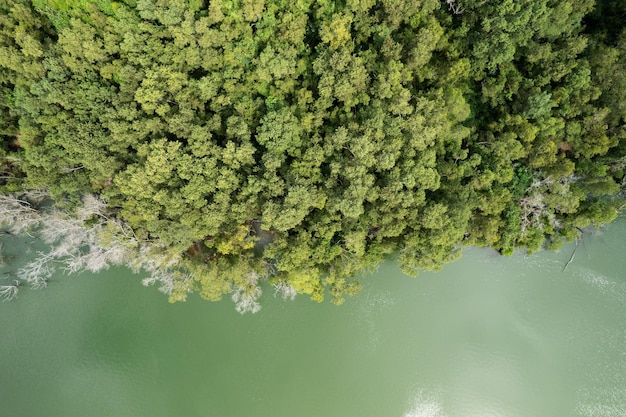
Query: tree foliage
x=302, y=143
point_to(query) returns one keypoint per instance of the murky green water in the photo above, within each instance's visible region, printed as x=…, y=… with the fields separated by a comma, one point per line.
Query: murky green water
x=488, y=336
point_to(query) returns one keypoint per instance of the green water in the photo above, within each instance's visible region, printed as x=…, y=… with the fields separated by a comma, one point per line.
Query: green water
x=487, y=336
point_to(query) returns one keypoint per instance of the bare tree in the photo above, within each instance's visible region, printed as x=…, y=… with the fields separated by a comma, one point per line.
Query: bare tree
x=17, y=215
x=536, y=212
x=285, y=291
x=90, y=240
x=246, y=294
x=75, y=241
x=161, y=265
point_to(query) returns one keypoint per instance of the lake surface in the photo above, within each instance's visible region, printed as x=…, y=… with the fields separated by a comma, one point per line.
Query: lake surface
x=488, y=336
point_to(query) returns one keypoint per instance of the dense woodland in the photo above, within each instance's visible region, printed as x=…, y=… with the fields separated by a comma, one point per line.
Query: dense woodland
x=231, y=142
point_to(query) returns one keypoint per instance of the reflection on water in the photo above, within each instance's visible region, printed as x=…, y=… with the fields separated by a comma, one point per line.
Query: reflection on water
x=425, y=404
x=606, y=285
x=365, y=314
x=488, y=336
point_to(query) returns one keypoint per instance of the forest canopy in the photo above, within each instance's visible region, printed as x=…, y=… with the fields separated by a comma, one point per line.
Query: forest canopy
x=230, y=142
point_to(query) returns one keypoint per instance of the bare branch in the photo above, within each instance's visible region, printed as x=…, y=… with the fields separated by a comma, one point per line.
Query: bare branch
x=9, y=292
x=67, y=170
x=453, y=7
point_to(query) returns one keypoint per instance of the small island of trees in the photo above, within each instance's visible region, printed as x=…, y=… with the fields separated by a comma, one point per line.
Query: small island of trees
x=222, y=144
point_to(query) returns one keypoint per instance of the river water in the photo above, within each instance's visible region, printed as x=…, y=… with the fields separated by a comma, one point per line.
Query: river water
x=489, y=336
